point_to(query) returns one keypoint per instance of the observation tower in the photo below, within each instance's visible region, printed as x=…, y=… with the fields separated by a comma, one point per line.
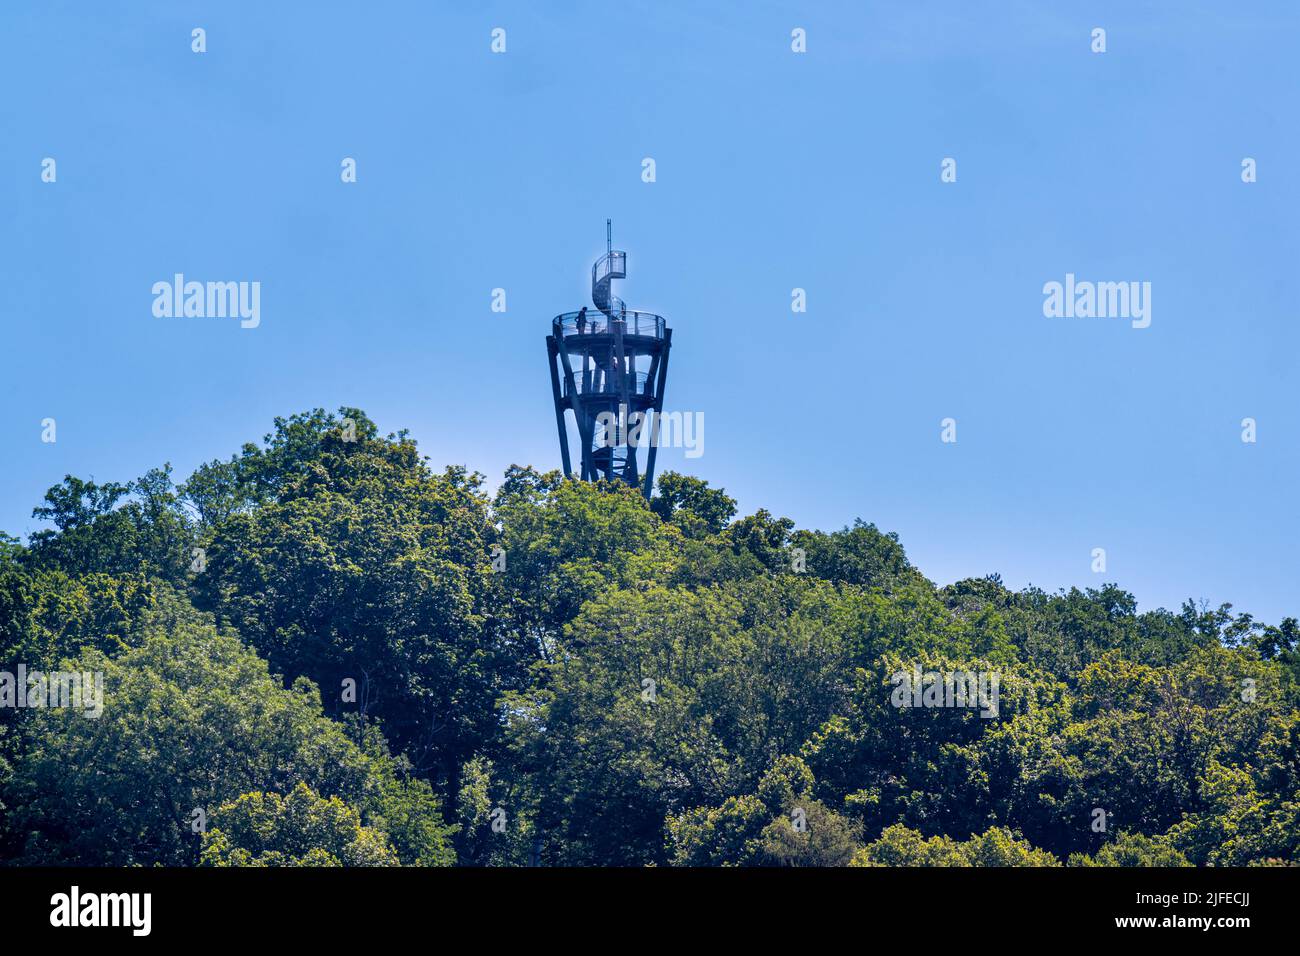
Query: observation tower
x=608, y=367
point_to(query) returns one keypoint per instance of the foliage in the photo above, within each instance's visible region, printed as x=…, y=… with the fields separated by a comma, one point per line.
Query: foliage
x=327, y=652
x=997, y=846
x=192, y=720
x=264, y=829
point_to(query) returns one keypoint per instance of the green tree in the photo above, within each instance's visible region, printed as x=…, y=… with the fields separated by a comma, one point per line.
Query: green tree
x=692, y=505
x=114, y=528
x=191, y=721
x=300, y=829
x=782, y=824
x=996, y=846
x=366, y=572
x=1133, y=849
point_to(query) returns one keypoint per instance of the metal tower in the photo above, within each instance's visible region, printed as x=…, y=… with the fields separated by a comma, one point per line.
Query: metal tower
x=608, y=367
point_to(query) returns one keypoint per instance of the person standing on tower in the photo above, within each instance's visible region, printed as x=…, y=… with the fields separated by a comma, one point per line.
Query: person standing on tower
x=582, y=320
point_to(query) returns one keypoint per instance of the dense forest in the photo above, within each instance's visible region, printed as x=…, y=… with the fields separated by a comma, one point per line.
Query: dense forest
x=324, y=651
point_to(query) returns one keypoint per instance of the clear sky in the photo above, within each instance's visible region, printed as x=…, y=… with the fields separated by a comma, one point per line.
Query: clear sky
x=774, y=170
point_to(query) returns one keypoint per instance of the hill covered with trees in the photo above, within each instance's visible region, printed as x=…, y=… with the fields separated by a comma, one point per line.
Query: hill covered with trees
x=323, y=650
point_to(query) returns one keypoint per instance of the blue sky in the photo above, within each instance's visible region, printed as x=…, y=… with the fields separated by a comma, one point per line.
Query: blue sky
x=775, y=170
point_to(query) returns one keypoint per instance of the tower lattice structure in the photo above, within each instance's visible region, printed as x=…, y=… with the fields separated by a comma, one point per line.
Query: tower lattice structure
x=608, y=367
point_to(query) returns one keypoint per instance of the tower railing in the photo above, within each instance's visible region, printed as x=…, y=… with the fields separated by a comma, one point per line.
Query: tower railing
x=594, y=383
x=595, y=323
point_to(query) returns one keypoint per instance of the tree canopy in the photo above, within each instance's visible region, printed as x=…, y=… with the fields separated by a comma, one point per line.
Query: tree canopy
x=322, y=650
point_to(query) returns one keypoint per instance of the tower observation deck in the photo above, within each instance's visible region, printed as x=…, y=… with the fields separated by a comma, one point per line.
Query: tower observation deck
x=608, y=367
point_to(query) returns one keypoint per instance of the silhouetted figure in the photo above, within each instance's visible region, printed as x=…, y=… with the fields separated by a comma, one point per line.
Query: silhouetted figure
x=582, y=320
